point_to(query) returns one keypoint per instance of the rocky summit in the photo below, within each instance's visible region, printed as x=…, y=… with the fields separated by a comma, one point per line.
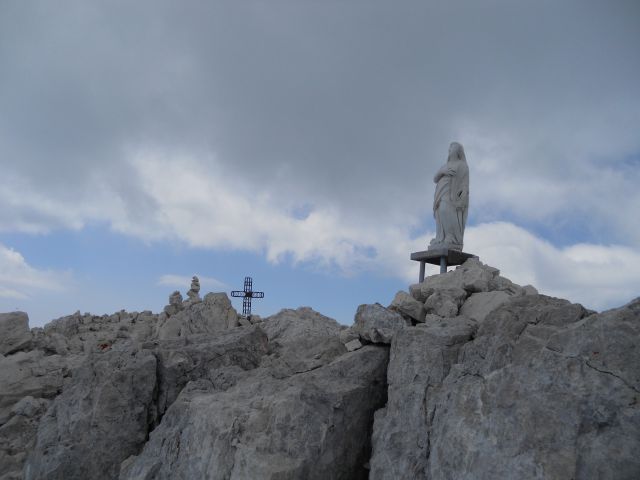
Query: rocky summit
x=464, y=376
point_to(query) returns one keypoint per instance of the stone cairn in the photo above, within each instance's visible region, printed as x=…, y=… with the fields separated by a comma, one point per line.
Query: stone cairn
x=194, y=292
x=175, y=304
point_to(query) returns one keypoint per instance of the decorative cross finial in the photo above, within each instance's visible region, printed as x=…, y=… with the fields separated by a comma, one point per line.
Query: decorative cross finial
x=247, y=294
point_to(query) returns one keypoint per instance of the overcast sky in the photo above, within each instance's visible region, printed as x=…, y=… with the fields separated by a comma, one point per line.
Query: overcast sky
x=143, y=142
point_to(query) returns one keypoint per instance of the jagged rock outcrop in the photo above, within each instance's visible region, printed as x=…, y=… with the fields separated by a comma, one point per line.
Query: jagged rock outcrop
x=467, y=376
x=305, y=412
x=284, y=398
x=213, y=314
x=100, y=418
x=514, y=385
x=14, y=332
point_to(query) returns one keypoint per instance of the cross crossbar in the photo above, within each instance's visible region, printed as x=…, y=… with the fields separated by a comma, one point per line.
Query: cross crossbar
x=247, y=294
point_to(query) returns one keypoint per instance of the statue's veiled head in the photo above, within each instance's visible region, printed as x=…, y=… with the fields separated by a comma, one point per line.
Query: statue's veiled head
x=456, y=152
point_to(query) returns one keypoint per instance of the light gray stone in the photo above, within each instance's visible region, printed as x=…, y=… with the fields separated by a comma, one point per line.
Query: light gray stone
x=405, y=304
x=17, y=435
x=479, y=305
x=353, y=345
x=214, y=314
x=451, y=200
x=32, y=374
x=377, y=324
x=472, y=276
x=544, y=389
x=347, y=335
x=445, y=302
x=175, y=303
x=420, y=359
x=300, y=340
x=99, y=419
x=312, y=425
x=193, y=293
x=14, y=332
x=200, y=357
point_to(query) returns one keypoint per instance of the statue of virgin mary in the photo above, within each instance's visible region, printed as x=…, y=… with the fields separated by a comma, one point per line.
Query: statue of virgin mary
x=451, y=201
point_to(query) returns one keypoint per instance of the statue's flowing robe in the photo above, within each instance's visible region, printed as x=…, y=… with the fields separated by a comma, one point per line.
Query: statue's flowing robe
x=451, y=204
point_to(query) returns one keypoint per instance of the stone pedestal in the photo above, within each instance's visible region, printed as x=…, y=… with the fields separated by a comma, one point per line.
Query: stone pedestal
x=440, y=256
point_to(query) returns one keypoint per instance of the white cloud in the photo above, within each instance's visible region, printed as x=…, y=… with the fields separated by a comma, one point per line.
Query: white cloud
x=201, y=208
x=545, y=100
x=183, y=282
x=18, y=279
x=598, y=276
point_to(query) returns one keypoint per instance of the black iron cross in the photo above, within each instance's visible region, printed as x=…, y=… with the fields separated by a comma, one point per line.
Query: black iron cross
x=247, y=295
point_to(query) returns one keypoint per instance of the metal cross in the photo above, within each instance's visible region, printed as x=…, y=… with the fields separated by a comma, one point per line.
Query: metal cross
x=247, y=295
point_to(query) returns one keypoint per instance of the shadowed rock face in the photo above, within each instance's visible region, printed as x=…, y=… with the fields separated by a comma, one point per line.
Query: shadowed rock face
x=467, y=377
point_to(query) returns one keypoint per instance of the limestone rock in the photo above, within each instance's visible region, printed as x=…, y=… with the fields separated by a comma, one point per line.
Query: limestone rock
x=300, y=340
x=405, y=304
x=175, y=303
x=376, y=324
x=353, y=345
x=479, y=305
x=213, y=314
x=17, y=435
x=347, y=335
x=445, y=302
x=193, y=293
x=32, y=374
x=14, y=332
x=313, y=425
x=198, y=357
x=472, y=276
x=99, y=419
x=420, y=359
x=544, y=389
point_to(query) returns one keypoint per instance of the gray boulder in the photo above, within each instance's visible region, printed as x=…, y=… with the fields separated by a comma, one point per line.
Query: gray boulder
x=479, y=305
x=420, y=359
x=213, y=314
x=311, y=425
x=14, y=332
x=405, y=304
x=200, y=357
x=472, y=276
x=300, y=340
x=377, y=324
x=99, y=419
x=445, y=302
x=17, y=435
x=543, y=390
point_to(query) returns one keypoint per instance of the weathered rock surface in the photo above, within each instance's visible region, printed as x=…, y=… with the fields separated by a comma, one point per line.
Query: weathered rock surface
x=493, y=381
x=14, y=332
x=405, y=304
x=544, y=389
x=479, y=305
x=213, y=314
x=377, y=324
x=99, y=419
x=305, y=412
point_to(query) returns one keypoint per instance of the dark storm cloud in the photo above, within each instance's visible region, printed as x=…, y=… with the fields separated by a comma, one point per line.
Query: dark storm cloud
x=350, y=103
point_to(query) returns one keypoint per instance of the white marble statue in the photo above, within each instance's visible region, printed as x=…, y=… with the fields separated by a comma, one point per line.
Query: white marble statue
x=451, y=201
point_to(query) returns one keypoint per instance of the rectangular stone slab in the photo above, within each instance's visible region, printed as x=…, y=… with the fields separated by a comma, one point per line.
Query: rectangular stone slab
x=454, y=257
x=434, y=256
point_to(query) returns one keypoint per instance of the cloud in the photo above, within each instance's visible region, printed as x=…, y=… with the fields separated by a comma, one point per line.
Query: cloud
x=19, y=280
x=184, y=282
x=218, y=123
x=598, y=276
